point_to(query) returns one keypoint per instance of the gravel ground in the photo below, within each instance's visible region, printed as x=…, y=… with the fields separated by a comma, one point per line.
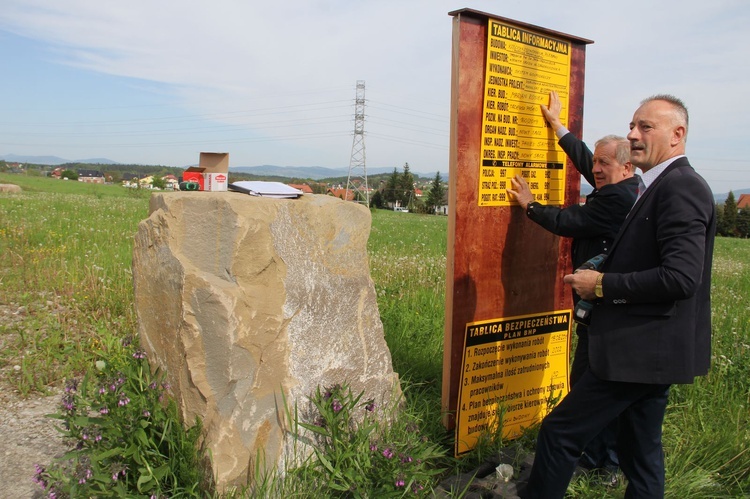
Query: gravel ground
x=27, y=437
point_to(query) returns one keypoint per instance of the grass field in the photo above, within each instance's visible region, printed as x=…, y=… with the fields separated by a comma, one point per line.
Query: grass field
x=66, y=291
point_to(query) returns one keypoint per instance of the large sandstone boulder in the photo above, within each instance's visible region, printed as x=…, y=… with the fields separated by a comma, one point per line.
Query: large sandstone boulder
x=242, y=299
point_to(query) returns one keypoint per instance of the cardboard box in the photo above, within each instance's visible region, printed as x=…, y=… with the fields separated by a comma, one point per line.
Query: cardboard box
x=212, y=172
x=194, y=174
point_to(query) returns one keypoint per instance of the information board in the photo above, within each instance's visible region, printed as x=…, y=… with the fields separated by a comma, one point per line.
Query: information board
x=522, y=67
x=513, y=368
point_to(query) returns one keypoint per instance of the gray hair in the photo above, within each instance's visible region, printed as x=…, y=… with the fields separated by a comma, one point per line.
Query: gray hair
x=680, y=110
x=622, y=147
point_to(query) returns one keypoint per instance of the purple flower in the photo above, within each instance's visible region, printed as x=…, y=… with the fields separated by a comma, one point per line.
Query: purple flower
x=139, y=354
x=68, y=402
x=400, y=482
x=406, y=459
x=103, y=411
x=337, y=406
x=71, y=386
x=124, y=400
x=146, y=414
x=39, y=476
x=370, y=406
x=373, y=448
x=388, y=453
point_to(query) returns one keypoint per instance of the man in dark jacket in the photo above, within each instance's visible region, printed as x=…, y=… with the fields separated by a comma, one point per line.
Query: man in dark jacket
x=651, y=324
x=593, y=227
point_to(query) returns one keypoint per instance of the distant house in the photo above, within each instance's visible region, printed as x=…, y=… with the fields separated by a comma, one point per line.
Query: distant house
x=341, y=193
x=90, y=176
x=743, y=201
x=303, y=187
x=56, y=173
x=130, y=179
x=172, y=182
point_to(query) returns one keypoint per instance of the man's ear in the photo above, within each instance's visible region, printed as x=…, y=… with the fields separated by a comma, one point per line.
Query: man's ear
x=678, y=135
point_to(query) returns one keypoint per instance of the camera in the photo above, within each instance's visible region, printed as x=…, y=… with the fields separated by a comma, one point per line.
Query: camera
x=582, y=310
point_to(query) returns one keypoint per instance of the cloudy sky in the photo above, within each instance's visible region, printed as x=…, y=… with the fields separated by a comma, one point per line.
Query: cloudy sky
x=274, y=82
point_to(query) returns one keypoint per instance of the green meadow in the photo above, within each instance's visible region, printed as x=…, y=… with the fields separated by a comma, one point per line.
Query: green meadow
x=66, y=295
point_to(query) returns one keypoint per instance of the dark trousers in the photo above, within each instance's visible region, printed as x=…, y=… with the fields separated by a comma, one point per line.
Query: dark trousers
x=591, y=404
x=600, y=452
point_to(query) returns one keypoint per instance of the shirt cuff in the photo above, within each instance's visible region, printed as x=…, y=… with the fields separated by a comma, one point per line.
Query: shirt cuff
x=561, y=132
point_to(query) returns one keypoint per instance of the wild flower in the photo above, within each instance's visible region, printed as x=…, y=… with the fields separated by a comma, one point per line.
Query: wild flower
x=346, y=430
x=111, y=445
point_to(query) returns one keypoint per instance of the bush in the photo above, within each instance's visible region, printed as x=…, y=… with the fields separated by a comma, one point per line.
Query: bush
x=128, y=438
x=357, y=454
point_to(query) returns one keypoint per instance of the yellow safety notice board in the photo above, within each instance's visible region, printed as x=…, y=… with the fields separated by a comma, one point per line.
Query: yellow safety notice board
x=513, y=368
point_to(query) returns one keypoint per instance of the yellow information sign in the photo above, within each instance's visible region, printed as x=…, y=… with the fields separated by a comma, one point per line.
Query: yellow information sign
x=512, y=368
x=522, y=68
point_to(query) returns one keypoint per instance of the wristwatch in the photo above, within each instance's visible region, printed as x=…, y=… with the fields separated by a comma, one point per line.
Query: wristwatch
x=598, y=291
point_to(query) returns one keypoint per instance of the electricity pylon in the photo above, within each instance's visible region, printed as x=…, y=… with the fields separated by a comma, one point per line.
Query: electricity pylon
x=357, y=164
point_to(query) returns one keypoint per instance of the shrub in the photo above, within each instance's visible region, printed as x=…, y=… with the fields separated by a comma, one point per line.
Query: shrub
x=128, y=438
x=359, y=453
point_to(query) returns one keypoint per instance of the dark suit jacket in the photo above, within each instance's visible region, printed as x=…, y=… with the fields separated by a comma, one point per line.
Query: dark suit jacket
x=594, y=225
x=654, y=323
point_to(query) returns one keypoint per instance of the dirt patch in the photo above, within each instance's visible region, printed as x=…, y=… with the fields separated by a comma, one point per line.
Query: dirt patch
x=27, y=437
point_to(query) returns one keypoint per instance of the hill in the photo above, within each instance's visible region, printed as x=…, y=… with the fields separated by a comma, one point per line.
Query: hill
x=53, y=160
x=317, y=172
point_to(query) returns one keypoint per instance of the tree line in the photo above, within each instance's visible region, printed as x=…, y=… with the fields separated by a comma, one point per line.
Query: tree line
x=399, y=189
x=732, y=221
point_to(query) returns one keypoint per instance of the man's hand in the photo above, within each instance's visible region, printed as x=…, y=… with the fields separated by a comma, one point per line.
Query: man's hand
x=583, y=283
x=520, y=191
x=552, y=113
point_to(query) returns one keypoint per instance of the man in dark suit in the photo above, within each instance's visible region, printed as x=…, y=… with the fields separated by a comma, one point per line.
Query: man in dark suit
x=651, y=323
x=593, y=226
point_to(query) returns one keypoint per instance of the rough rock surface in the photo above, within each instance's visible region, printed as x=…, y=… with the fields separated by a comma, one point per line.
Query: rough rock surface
x=251, y=303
